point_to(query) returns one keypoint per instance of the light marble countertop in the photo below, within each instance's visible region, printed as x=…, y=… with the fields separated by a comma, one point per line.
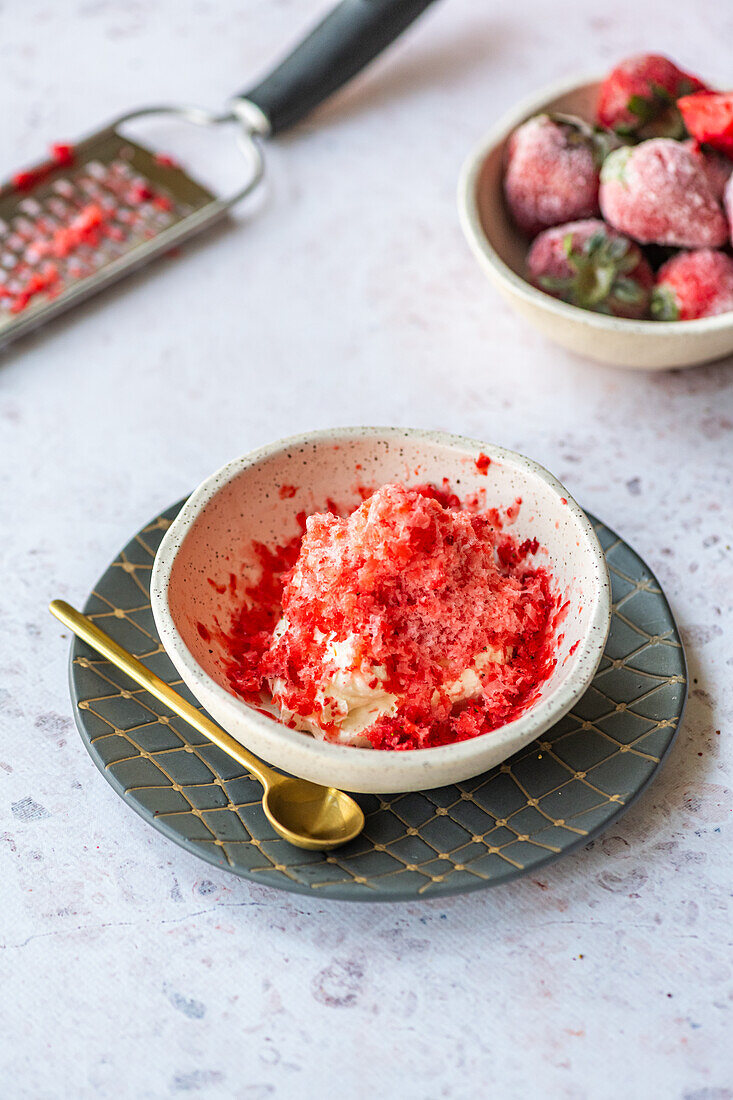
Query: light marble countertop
x=130, y=969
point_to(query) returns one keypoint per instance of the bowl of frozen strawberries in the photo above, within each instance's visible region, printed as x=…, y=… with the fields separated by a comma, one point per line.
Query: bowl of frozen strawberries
x=603, y=210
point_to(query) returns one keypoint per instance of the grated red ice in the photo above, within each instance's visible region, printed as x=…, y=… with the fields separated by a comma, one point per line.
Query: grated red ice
x=422, y=587
x=658, y=192
x=165, y=160
x=551, y=175
x=113, y=218
x=38, y=282
x=62, y=155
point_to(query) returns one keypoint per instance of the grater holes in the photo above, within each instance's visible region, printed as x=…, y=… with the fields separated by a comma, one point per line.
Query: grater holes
x=91, y=188
x=64, y=187
x=59, y=209
x=24, y=228
x=71, y=228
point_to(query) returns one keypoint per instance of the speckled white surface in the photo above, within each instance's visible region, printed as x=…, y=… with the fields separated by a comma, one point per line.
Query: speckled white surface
x=129, y=969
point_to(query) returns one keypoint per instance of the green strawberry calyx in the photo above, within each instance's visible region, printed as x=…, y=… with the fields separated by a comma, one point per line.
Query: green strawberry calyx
x=664, y=304
x=615, y=164
x=601, y=270
x=656, y=114
x=577, y=131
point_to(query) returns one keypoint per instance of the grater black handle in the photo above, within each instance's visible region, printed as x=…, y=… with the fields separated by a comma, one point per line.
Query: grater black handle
x=338, y=48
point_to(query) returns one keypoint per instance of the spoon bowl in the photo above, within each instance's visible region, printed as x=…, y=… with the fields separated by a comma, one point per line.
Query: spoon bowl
x=305, y=814
x=320, y=817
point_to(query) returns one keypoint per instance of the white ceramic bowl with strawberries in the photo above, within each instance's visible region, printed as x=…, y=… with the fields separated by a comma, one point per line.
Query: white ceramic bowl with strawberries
x=193, y=600
x=502, y=253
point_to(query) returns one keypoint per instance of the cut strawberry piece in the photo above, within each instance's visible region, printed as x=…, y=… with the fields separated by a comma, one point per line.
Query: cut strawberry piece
x=709, y=118
x=638, y=97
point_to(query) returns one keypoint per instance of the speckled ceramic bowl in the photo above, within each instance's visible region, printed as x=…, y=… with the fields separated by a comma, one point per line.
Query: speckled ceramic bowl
x=212, y=537
x=501, y=251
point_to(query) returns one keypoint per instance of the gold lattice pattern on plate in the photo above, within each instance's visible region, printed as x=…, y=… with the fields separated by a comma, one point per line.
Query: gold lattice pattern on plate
x=548, y=799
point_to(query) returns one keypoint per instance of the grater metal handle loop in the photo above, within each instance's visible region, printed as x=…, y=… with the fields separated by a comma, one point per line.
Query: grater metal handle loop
x=248, y=137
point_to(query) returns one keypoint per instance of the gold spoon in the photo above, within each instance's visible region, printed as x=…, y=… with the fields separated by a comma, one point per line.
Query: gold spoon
x=303, y=813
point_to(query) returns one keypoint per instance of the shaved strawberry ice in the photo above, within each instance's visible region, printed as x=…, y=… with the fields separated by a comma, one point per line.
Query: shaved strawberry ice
x=410, y=623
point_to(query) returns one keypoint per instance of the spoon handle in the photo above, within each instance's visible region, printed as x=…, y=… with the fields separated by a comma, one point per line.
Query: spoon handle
x=90, y=633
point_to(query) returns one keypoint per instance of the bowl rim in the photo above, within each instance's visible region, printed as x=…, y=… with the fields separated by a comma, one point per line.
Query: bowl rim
x=485, y=252
x=521, y=730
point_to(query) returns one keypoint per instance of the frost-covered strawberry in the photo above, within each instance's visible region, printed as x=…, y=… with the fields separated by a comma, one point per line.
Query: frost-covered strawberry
x=693, y=284
x=659, y=193
x=591, y=266
x=638, y=97
x=728, y=204
x=716, y=166
x=709, y=117
x=552, y=171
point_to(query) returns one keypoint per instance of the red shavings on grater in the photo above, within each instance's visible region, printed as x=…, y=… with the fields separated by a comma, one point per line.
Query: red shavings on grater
x=62, y=155
x=81, y=234
x=165, y=160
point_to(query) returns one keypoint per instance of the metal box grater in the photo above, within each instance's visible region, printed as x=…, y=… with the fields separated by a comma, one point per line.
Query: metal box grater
x=77, y=226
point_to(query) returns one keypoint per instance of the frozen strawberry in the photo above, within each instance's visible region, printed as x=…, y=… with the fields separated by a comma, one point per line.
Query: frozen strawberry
x=659, y=193
x=728, y=204
x=638, y=97
x=717, y=167
x=552, y=171
x=693, y=284
x=589, y=265
x=709, y=117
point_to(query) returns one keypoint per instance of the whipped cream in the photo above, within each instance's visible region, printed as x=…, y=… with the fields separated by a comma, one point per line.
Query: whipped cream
x=353, y=696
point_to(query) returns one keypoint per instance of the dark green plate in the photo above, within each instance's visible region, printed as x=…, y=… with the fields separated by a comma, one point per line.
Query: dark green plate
x=548, y=800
